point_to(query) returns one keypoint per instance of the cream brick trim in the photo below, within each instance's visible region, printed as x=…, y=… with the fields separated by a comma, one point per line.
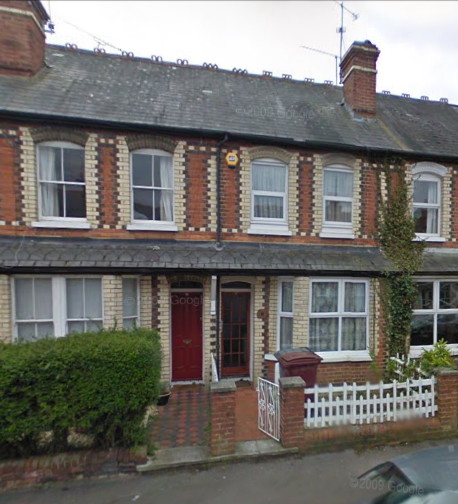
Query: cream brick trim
x=446, y=210
x=112, y=301
x=359, y=68
x=90, y=173
x=164, y=326
x=291, y=160
x=258, y=329
x=6, y=316
x=123, y=173
x=145, y=307
x=374, y=315
x=300, y=311
x=212, y=192
x=206, y=329
x=180, y=197
x=320, y=163
x=273, y=314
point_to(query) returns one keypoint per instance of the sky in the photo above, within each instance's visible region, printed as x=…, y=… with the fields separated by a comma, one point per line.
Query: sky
x=417, y=40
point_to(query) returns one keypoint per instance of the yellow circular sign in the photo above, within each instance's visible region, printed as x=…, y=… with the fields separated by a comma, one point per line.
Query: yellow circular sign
x=232, y=159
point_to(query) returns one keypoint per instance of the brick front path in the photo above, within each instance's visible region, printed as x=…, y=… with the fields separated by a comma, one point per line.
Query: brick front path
x=184, y=421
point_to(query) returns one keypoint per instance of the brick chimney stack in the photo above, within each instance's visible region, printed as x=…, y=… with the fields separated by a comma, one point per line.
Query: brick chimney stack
x=22, y=37
x=358, y=72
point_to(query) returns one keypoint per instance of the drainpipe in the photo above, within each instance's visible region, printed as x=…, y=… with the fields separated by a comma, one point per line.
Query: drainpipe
x=218, y=246
x=219, y=228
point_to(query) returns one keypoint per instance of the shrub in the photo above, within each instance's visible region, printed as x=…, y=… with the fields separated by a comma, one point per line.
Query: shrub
x=438, y=356
x=96, y=383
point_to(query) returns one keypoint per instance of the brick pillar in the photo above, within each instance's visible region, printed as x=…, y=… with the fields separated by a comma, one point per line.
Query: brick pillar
x=222, y=395
x=447, y=398
x=292, y=411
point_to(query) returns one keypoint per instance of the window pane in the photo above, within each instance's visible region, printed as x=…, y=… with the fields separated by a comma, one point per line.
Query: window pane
x=75, y=327
x=43, y=298
x=76, y=200
x=75, y=301
x=143, y=204
x=426, y=220
x=447, y=328
x=338, y=184
x=74, y=165
x=129, y=297
x=50, y=164
x=324, y=297
x=26, y=331
x=163, y=200
x=163, y=176
x=142, y=174
x=287, y=297
x=448, y=295
x=129, y=323
x=23, y=288
x=93, y=326
x=268, y=207
x=354, y=333
x=286, y=333
x=338, y=211
x=355, y=297
x=45, y=330
x=424, y=298
x=324, y=334
x=52, y=200
x=422, y=330
x=268, y=178
x=425, y=191
x=93, y=292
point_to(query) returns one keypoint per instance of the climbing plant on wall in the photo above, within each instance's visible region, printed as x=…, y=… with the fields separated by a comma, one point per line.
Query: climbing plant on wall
x=395, y=235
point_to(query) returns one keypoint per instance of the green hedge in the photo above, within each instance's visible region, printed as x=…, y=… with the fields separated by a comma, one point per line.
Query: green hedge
x=98, y=384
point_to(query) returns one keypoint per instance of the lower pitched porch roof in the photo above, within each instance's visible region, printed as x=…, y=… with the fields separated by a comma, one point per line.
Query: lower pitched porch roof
x=142, y=256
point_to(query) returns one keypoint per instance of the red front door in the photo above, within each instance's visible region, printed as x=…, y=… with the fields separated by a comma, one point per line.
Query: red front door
x=186, y=336
x=235, y=359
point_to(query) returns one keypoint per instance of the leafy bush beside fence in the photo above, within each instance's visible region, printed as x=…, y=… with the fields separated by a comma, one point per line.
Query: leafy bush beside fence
x=98, y=384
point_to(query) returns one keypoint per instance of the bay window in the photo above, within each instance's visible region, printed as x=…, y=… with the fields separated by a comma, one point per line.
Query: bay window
x=435, y=313
x=53, y=307
x=338, y=319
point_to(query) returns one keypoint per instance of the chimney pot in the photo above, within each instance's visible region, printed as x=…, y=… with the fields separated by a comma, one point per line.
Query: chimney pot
x=358, y=72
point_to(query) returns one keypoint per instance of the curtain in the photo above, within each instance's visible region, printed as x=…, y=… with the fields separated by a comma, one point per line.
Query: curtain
x=286, y=333
x=48, y=172
x=166, y=172
x=354, y=333
x=355, y=297
x=324, y=297
x=269, y=178
x=268, y=207
x=324, y=334
x=338, y=184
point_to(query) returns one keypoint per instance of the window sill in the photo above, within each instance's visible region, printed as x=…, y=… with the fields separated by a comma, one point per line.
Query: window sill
x=156, y=226
x=337, y=233
x=352, y=356
x=270, y=229
x=415, y=352
x=429, y=238
x=62, y=224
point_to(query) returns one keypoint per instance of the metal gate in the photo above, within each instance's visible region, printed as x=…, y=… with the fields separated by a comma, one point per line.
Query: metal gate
x=269, y=408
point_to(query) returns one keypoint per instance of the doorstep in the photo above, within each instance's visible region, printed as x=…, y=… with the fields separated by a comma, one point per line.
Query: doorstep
x=186, y=456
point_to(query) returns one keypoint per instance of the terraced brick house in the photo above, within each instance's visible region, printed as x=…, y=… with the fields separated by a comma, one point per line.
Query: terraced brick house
x=118, y=205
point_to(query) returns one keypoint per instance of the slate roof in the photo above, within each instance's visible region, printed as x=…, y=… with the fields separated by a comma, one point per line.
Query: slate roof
x=81, y=85
x=144, y=256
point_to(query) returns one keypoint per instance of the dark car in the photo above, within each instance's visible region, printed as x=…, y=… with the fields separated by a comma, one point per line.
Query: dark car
x=423, y=477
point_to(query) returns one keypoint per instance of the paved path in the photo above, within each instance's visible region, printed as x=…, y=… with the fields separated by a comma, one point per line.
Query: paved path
x=314, y=479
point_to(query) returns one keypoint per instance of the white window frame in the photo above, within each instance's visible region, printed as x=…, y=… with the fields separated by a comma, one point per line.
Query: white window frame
x=143, y=224
x=417, y=350
x=281, y=313
x=428, y=177
x=136, y=317
x=342, y=355
x=336, y=229
x=51, y=220
x=271, y=226
x=59, y=304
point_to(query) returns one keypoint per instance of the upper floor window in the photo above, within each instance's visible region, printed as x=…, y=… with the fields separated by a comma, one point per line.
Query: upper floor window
x=339, y=315
x=62, y=188
x=152, y=186
x=426, y=203
x=269, y=194
x=338, y=197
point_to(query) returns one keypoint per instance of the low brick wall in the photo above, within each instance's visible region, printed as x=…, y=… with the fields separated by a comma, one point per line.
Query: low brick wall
x=222, y=439
x=20, y=473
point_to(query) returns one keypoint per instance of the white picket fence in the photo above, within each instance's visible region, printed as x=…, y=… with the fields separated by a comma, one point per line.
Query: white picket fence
x=400, y=363
x=370, y=403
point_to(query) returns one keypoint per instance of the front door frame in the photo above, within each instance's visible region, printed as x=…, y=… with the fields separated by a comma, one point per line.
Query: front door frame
x=178, y=290
x=250, y=290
